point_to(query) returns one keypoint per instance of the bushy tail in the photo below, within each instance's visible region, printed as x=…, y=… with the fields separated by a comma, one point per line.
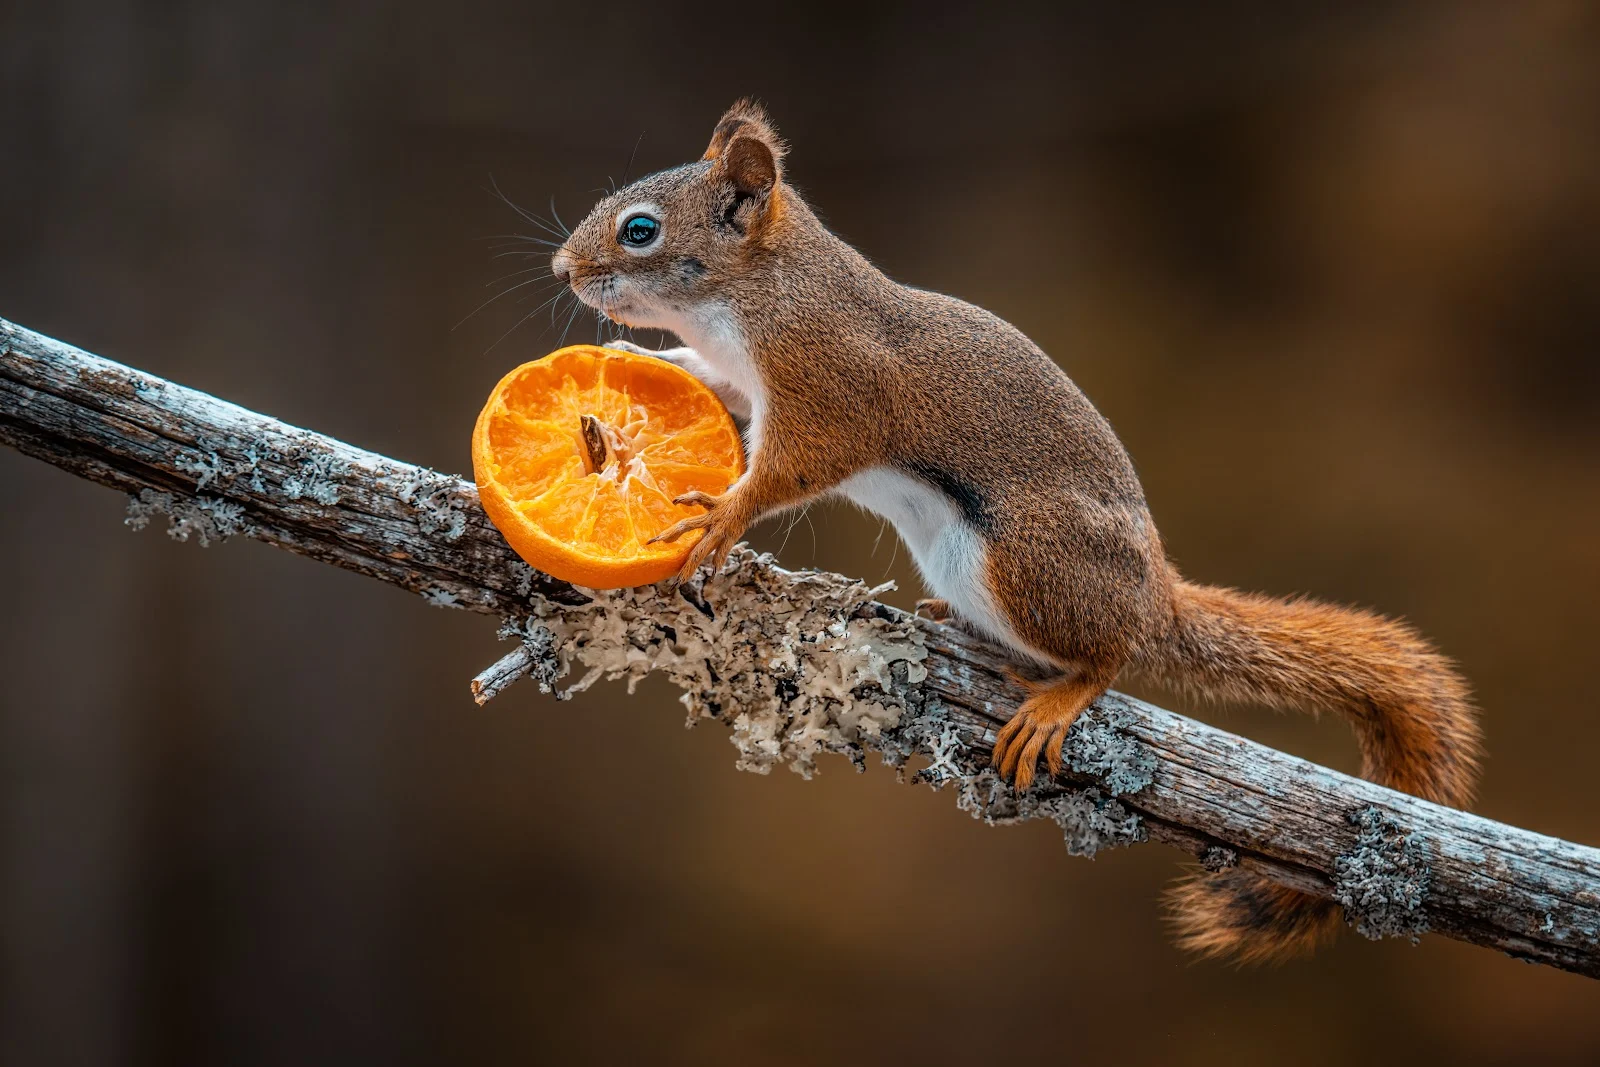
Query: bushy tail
x=1412, y=714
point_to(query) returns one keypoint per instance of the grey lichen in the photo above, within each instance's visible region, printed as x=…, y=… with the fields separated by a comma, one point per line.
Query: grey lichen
x=211, y=469
x=205, y=518
x=1383, y=882
x=313, y=477
x=1097, y=746
x=522, y=577
x=1217, y=858
x=438, y=500
x=927, y=730
x=942, y=753
x=207, y=467
x=441, y=598
x=1089, y=820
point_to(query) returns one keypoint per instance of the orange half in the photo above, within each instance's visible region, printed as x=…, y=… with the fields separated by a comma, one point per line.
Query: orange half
x=579, y=455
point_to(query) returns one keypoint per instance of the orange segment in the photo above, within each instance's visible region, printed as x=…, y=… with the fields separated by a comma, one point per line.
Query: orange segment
x=656, y=432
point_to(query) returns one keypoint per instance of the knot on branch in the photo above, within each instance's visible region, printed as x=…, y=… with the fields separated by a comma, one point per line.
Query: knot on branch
x=1383, y=882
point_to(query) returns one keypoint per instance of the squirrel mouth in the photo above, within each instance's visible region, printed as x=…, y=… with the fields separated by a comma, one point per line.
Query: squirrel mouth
x=599, y=293
x=614, y=309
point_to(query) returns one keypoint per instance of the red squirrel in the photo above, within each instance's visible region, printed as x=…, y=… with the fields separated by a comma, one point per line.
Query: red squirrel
x=1016, y=499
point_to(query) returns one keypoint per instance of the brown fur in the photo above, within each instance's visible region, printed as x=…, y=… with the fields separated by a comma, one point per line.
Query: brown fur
x=859, y=372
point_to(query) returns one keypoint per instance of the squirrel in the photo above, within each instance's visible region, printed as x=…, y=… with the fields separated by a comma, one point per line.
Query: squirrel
x=1016, y=499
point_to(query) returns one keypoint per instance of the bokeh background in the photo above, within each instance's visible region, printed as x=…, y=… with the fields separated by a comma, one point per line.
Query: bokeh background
x=1332, y=270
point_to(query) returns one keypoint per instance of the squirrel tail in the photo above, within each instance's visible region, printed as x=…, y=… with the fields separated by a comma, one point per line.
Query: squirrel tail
x=1412, y=714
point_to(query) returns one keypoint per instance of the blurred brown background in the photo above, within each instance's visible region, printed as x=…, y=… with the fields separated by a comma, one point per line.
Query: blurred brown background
x=1333, y=272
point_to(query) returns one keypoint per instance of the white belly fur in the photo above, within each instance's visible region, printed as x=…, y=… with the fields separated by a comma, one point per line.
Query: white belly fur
x=949, y=553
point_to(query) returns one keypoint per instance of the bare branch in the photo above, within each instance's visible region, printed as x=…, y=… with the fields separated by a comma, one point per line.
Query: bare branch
x=801, y=663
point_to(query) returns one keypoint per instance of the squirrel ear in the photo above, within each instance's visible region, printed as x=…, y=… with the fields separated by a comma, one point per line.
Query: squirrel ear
x=749, y=164
x=745, y=118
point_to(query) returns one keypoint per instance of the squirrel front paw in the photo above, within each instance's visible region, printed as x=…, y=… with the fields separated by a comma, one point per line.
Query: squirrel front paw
x=723, y=524
x=676, y=356
x=628, y=346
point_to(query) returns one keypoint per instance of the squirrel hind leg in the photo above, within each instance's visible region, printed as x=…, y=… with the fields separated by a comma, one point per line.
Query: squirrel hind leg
x=1040, y=725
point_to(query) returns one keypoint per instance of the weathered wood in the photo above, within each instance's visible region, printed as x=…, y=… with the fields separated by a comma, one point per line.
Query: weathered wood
x=799, y=663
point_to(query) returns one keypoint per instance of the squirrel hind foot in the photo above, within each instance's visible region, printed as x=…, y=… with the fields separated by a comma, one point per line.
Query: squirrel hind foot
x=1040, y=726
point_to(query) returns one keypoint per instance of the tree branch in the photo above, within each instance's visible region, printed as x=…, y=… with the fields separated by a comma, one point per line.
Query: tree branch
x=799, y=663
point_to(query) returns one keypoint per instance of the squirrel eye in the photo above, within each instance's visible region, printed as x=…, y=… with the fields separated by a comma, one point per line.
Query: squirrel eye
x=638, y=230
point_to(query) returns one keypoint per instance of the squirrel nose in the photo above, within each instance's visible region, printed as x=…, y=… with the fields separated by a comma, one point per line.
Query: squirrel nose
x=561, y=266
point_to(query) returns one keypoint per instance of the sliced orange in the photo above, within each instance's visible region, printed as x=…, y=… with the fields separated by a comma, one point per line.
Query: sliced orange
x=579, y=457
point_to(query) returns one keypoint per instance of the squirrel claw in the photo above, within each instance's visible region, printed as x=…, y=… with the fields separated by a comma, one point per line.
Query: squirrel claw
x=715, y=545
x=1019, y=744
x=706, y=522
x=695, y=496
x=1040, y=727
x=681, y=527
x=723, y=527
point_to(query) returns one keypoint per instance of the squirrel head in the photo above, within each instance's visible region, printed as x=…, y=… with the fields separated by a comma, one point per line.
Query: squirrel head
x=650, y=252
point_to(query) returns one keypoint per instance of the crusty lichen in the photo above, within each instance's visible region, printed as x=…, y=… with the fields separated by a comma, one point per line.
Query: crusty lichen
x=211, y=469
x=1097, y=746
x=1089, y=820
x=314, y=476
x=439, y=502
x=207, y=467
x=522, y=578
x=205, y=518
x=803, y=665
x=441, y=597
x=1383, y=881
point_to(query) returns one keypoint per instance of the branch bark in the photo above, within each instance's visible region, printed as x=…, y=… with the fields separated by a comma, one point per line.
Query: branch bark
x=799, y=663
